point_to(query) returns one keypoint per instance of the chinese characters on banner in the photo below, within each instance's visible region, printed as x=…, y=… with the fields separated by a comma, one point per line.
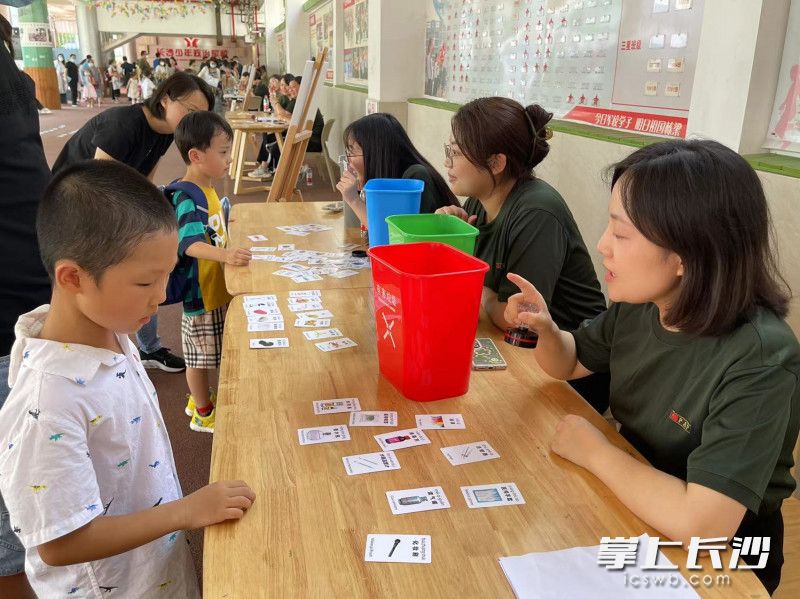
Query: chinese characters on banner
x=622, y=64
x=356, y=29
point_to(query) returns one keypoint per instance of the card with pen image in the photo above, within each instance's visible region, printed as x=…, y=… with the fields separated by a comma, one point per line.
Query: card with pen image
x=469, y=453
x=486, y=356
x=367, y=463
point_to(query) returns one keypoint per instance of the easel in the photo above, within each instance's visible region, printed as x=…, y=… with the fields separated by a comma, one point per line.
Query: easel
x=299, y=132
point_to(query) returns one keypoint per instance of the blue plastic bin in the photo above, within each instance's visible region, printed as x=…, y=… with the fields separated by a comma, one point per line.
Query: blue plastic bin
x=387, y=197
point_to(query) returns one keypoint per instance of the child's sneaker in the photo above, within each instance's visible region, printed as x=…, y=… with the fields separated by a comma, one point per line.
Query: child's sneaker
x=203, y=424
x=212, y=395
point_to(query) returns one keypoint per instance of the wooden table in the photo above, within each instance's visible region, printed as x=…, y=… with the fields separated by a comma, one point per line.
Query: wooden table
x=305, y=535
x=257, y=277
x=241, y=129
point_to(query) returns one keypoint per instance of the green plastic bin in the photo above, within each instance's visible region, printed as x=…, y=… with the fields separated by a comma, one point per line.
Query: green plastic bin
x=444, y=228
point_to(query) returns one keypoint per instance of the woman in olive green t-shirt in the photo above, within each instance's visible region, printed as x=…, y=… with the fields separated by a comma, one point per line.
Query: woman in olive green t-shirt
x=378, y=147
x=704, y=369
x=524, y=225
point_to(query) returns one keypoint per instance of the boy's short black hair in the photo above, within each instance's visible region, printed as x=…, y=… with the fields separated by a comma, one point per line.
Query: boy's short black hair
x=197, y=129
x=95, y=212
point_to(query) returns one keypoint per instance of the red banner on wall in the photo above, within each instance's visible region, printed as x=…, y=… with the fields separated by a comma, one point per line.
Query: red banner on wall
x=638, y=122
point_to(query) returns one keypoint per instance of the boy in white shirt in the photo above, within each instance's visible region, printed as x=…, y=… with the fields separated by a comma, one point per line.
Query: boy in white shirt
x=86, y=466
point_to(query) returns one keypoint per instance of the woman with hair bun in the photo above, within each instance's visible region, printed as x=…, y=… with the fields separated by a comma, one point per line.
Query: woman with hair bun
x=525, y=225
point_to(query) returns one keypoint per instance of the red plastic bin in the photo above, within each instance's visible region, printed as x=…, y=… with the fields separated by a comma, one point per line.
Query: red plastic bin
x=427, y=304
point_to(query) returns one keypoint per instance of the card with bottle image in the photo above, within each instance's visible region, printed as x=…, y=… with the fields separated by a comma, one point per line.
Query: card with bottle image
x=417, y=500
x=367, y=463
x=410, y=437
x=492, y=495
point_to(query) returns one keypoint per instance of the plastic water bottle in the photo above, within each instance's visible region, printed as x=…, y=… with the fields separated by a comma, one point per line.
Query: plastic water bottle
x=309, y=176
x=264, y=104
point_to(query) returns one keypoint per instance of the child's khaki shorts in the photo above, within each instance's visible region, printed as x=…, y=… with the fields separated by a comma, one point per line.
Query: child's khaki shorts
x=201, y=336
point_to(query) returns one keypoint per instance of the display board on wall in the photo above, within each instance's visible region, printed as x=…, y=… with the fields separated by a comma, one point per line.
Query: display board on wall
x=320, y=24
x=784, y=127
x=356, y=28
x=620, y=64
x=280, y=39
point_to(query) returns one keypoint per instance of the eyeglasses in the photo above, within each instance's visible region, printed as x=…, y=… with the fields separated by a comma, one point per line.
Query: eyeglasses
x=189, y=109
x=349, y=156
x=449, y=154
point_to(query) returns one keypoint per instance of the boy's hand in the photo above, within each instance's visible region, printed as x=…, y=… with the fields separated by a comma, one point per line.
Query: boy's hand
x=459, y=212
x=238, y=256
x=528, y=308
x=217, y=502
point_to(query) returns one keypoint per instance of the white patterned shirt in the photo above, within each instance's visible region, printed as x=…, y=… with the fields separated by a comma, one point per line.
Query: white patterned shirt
x=81, y=436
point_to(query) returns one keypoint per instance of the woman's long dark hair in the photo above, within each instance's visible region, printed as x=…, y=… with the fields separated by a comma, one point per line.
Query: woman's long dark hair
x=704, y=202
x=388, y=152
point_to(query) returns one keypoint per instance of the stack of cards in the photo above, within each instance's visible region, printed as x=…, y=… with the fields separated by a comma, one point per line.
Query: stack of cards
x=263, y=315
x=337, y=265
x=303, y=230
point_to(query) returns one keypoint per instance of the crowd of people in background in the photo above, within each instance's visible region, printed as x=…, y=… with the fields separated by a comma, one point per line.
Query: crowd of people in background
x=84, y=83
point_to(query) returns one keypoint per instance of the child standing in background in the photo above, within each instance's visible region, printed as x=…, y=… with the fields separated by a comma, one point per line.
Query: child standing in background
x=204, y=141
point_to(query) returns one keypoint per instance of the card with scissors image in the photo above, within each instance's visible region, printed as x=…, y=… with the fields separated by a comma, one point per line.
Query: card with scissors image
x=469, y=453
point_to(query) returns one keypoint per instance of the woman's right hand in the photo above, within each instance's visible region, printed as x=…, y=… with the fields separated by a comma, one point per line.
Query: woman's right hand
x=348, y=187
x=459, y=212
x=529, y=308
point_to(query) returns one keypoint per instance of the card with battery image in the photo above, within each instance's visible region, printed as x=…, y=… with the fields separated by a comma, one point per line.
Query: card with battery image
x=373, y=419
x=417, y=500
x=322, y=334
x=410, y=437
x=305, y=306
x=367, y=463
x=269, y=343
x=337, y=406
x=337, y=344
x=469, y=453
x=264, y=327
x=492, y=495
x=486, y=356
x=440, y=421
x=323, y=434
x=409, y=549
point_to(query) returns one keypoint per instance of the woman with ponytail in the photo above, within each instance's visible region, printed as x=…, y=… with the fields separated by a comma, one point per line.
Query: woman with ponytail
x=525, y=225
